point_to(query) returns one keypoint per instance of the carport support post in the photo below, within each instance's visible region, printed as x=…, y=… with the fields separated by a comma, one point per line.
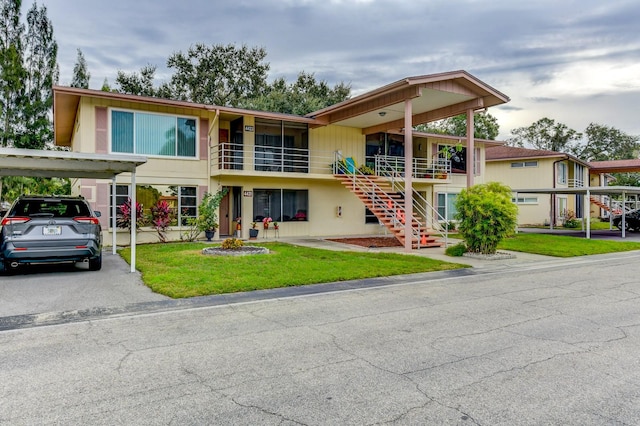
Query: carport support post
x=113, y=215
x=133, y=222
x=624, y=218
x=587, y=210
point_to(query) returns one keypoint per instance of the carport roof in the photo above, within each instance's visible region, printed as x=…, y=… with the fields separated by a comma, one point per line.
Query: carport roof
x=593, y=190
x=40, y=163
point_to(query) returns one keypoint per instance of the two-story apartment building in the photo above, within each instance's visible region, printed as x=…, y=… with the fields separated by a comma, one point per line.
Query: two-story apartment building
x=304, y=172
x=523, y=168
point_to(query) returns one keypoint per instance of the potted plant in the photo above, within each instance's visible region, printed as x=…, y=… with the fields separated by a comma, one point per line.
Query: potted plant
x=266, y=221
x=208, y=213
x=253, y=232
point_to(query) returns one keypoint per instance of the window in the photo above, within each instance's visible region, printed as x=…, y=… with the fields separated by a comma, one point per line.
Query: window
x=457, y=155
x=447, y=205
x=153, y=134
x=521, y=164
x=282, y=205
x=182, y=200
x=122, y=194
x=281, y=146
x=370, y=217
x=187, y=203
x=525, y=200
x=562, y=173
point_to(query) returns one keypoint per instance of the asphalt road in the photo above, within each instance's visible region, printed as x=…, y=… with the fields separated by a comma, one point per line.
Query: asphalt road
x=39, y=289
x=556, y=343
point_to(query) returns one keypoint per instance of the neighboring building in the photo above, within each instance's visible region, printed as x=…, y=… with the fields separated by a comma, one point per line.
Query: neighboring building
x=282, y=166
x=523, y=168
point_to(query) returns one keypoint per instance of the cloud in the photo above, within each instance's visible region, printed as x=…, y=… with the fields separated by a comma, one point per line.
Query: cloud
x=569, y=60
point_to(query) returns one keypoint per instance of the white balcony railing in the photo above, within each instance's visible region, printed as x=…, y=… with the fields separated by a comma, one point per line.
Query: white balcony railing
x=230, y=156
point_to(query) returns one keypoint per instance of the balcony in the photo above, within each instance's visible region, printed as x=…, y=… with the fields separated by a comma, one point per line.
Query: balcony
x=238, y=159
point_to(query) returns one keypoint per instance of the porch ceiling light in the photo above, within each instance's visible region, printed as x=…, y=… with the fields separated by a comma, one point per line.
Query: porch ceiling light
x=382, y=113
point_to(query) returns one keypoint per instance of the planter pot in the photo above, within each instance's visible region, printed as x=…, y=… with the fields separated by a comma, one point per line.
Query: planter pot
x=253, y=233
x=209, y=234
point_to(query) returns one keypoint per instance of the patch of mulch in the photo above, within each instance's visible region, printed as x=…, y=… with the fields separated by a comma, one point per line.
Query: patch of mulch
x=371, y=242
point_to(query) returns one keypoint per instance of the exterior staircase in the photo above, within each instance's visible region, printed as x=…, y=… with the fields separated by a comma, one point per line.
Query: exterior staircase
x=377, y=193
x=605, y=207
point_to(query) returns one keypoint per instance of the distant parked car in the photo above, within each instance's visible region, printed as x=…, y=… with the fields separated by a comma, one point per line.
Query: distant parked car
x=631, y=220
x=48, y=229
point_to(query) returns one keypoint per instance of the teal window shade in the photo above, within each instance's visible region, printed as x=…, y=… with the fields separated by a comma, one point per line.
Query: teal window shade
x=186, y=137
x=153, y=134
x=122, y=131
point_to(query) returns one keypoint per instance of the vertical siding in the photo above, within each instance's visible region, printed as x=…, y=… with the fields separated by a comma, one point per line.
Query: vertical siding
x=204, y=138
x=102, y=139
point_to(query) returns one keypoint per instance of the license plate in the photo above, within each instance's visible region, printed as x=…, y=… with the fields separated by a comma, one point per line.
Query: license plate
x=51, y=230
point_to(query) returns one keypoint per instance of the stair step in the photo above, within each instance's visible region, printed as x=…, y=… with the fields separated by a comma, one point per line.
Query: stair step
x=386, y=207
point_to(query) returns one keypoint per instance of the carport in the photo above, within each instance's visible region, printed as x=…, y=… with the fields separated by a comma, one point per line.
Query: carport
x=64, y=164
x=587, y=192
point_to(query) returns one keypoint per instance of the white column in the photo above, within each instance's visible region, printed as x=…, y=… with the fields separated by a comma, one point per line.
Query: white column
x=113, y=215
x=408, y=174
x=133, y=221
x=587, y=203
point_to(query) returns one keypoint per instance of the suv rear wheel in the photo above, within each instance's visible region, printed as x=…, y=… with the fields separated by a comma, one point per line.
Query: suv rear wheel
x=95, y=264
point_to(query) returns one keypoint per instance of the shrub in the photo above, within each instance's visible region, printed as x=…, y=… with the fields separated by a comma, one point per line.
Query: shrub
x=457, y=250
x=161, y=217
x=570, y=220
x=123, y=220
x=232, y=244
x=485, y=216
x=191, y=230
x=208, y=208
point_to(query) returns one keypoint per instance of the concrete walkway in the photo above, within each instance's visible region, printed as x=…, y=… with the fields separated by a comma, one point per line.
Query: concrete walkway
x=516, y=258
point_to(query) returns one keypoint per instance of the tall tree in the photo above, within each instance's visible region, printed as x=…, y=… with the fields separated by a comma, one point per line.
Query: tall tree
x=81, y=74
x=42, y=74
x=485, y=126
x=135, y=83
x=302, y=97
x=608, y=143
x=12, y=73
x=218, y=74
x=546, y=134
x=106, y=87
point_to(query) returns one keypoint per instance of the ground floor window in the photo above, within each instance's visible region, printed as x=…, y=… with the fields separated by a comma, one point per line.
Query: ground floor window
x=369, y=217
x=525, y=200
x=182, y=200
x=281, y=205
x=447, y=205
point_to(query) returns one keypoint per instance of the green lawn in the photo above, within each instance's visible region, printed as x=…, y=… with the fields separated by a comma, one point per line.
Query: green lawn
x=563, y=246
x=181, y=270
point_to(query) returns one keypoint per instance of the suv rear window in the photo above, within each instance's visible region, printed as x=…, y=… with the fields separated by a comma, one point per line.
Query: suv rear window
x=51, y=208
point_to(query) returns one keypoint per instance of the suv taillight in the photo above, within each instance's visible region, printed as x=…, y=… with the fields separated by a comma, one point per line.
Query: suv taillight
x=14, y=220
x=89, y=219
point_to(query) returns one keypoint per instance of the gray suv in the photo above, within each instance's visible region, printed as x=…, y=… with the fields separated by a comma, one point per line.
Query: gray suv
x=47, y=229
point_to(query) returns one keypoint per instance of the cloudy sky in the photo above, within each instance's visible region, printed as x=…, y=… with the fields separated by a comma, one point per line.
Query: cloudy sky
x=575, y=61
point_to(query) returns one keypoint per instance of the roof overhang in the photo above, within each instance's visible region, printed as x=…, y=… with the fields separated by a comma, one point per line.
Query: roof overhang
x=615, y=166
x=38, y=163
x=433, y=97
x=67, y=99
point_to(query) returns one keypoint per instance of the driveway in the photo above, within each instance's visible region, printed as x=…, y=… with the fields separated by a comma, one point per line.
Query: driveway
x=64, y=287
x=553, y=344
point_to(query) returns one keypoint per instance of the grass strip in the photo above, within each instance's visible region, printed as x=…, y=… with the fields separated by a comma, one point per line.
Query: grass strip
x=563, y=246
x=181, y=270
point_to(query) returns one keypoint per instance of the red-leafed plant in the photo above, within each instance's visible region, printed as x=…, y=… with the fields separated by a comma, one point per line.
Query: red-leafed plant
x=124, y=219
x=161, y=217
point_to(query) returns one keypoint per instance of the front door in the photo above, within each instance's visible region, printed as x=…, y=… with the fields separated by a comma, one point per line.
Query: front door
x=224, y=215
